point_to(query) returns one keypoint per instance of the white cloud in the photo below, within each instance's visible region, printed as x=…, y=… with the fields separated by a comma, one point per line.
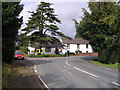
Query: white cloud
x=56, y=0
x=66, y=11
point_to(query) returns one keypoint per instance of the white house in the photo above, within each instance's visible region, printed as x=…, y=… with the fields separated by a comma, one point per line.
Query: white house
x=71, y=45
x=46, y=49
x=77, y=44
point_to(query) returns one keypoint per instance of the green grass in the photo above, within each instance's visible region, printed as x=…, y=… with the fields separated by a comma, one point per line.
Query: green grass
x=6, y=75
x=114, y=66
x=10, y=72
x=41, y=56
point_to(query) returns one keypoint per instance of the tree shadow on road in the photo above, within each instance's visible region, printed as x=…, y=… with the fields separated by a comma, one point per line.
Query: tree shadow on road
x=89, y=57
x=30, y=63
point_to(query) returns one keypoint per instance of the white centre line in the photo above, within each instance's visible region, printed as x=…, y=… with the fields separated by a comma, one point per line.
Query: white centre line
x=67, y=63
x=86, y=72
x=108, y=68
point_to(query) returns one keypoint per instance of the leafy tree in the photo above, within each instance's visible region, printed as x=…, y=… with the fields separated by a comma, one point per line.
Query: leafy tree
x=77, y=31
x=10, y=26
x=43, y=20
x=100, y=27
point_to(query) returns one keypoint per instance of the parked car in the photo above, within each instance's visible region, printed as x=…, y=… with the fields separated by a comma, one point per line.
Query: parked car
x=19, y=55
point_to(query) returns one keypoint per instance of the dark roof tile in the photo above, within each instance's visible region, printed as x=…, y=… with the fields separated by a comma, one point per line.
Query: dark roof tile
x=74, y=41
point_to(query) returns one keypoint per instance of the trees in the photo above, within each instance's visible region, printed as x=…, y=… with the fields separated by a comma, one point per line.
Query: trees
x=10, y=25
x=100, y=27
x=44, y=21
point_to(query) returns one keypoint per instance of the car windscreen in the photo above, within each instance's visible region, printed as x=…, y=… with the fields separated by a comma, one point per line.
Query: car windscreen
x=18, y=53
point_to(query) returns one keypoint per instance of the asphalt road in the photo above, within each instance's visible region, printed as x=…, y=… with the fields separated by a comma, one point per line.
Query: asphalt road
x=73, y=72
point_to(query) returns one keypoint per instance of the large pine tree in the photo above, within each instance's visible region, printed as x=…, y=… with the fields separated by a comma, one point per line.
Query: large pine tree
x=43, y=20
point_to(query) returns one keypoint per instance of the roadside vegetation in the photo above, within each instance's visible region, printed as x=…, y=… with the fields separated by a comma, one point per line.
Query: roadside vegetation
x=101, y=28
x=41, y=56
x=11, y=74
x=110, y=65
x=6, y=75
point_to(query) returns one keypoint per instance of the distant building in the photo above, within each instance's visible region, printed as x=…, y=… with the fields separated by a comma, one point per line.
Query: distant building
x=67, y=45
x=77, y=44
x=46, y=49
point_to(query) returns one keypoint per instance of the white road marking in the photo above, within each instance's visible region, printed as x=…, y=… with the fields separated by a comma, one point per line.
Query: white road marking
x=43, y=82
x=94, y=77
x=108, y=68
x=35, y=70
x=116, y=83
x=86, y=72
x=64, y=66
x=67, y=63
x=66, y=71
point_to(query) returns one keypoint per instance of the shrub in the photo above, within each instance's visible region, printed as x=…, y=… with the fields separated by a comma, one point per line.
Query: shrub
x=77, y=51
x=47, y=55
x=110, y=55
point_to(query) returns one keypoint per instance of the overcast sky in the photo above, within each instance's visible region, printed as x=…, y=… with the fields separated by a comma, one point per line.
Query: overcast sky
x=65, y=9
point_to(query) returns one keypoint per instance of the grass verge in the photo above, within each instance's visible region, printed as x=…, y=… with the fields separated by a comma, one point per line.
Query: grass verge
x=114, y=66
x=41, y=56
x=10, y=72
x=6, y=75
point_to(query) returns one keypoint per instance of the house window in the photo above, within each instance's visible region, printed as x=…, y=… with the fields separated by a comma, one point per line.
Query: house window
x=68, y=46
x=48, y=49
x=78, y=46
x=86, y=45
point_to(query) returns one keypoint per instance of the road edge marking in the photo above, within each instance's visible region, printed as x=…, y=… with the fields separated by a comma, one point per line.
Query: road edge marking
x=41, y=79
x=35, y=70
x=116, y=84
x=43, y=82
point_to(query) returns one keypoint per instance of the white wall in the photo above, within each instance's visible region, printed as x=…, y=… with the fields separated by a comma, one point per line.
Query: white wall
x=73, y=48
x=82, y=48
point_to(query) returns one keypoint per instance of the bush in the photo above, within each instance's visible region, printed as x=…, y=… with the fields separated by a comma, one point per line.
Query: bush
x=23, y=49
x=77, y=51
x=110, y=55
x=47, y=55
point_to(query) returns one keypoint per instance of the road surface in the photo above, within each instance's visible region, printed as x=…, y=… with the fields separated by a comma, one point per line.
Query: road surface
x=73, y=72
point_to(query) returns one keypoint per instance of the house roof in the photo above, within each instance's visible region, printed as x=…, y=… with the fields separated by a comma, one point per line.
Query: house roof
x=49, y=44
x=74, y=41
x=52, y=45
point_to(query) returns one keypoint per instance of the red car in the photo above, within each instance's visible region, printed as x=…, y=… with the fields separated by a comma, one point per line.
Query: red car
x=18, y=55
